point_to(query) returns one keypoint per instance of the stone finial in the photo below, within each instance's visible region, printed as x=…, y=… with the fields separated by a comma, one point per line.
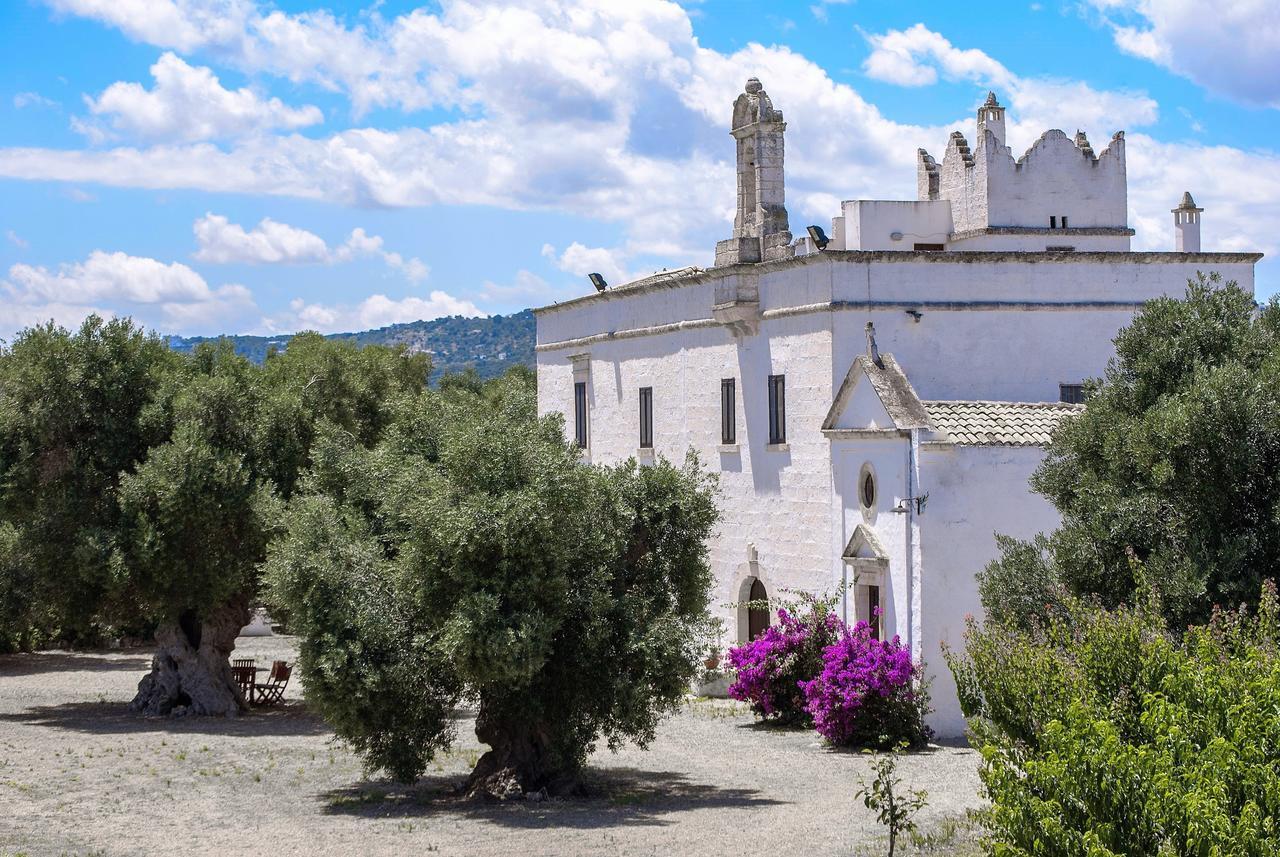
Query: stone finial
x=991, y=100
x=754, y=86
x=1187, y=204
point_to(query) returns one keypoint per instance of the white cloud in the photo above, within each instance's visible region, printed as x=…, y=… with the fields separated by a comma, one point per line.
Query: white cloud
x=374, y=311
x=224, y=242
x=1231, y=48
x=580, y=260
x=34, y=99
x=170, y=296
x=181, y=24
x=16, y=240
x=271, y=242
x=188, y=103
x=606, y=110
x=912, y=56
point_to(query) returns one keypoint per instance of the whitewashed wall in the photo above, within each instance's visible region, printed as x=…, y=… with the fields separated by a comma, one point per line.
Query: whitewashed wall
x=869, y=223
x=1005, y=326
x=974, y=493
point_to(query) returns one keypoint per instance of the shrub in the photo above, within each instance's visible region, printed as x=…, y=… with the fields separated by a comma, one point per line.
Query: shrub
x=1103, y=734
x=868, y=692
x=772, y=668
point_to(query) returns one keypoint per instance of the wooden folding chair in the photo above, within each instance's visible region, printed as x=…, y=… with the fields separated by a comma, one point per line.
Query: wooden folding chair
x=272, y=691
x=244, y=673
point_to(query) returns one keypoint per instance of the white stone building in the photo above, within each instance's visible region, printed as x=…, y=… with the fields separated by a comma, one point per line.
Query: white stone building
x=874, y=402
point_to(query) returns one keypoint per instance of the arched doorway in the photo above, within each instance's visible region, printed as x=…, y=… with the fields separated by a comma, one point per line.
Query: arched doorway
x=757, y=614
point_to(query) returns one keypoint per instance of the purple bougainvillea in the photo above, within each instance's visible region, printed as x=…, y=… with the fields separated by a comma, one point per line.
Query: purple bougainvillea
x=867, y=692
x=810, y=668
x=772, y=667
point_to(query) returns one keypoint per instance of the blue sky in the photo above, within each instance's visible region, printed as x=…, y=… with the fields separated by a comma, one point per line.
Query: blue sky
x=239, y=166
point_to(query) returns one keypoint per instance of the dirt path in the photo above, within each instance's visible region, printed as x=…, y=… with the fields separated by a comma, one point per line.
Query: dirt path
x=80, y=775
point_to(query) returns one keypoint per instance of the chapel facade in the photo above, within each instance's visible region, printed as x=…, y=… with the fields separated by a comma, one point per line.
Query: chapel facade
x=875, y=395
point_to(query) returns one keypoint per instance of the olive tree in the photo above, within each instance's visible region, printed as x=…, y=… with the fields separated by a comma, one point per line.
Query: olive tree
x=139, y=485
x=76, y=412
x=1171, y=474
x=472, y=555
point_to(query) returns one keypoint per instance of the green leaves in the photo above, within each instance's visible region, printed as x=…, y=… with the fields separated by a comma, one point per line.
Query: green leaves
x=1175, y=463
x=137, y=484
x=1102, y=734
x=567, y=599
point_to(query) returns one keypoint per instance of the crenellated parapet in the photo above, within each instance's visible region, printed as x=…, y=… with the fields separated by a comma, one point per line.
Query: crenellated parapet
x=928, y=176
x=1058, y=183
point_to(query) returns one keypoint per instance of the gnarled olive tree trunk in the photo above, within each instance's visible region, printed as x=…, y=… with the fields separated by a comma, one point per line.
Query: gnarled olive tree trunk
x=191, y=670
x=522, y=760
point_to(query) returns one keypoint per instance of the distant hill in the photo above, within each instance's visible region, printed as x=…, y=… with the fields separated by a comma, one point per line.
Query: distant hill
x=490, y=345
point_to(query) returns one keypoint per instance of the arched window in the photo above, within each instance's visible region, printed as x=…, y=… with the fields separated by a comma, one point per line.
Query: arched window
x=757, y=615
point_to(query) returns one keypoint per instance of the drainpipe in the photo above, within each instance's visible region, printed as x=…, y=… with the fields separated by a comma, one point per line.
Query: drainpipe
x=913, y=588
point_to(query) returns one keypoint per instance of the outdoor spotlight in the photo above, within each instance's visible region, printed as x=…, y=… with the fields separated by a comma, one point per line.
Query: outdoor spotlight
x=598, y=282
x=818, y=237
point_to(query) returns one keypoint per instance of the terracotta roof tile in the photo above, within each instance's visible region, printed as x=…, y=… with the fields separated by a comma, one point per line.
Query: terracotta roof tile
x=999, y=423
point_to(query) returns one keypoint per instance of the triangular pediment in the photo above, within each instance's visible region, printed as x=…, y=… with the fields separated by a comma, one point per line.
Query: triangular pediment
x=876, y=398
x=863, y=545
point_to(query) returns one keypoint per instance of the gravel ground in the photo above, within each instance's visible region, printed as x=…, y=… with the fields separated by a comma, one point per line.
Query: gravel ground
x=80, y=775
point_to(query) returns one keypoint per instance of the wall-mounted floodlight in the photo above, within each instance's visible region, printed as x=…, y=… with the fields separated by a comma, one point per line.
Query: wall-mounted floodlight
x=818, y=237
x=895, y=236
x=598, y=282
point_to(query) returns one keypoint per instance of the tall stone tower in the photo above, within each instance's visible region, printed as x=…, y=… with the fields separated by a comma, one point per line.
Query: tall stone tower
x=1186, y=225
x=760, y=229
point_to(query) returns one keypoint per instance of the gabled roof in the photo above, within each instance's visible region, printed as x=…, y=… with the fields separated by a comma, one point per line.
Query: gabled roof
x=998, y=423
x=891, y=386
x=864, y=545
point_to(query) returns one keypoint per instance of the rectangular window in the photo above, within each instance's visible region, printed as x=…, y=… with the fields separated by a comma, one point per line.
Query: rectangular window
x=1059, y=248
x=646, y=418
x=777, y=409
x=929, y=248
x=728, y=411
x=1064, y=221
x=873, y=611
x=580, y=413
x=1053, y=222
x=1071, y=393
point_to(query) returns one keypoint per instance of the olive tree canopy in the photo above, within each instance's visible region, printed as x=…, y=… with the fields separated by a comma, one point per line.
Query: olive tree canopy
x=471, y=555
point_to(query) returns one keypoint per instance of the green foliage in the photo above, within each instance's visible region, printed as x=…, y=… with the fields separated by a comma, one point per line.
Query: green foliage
x=138, y=484
x=1102, y=734
x=1175, y=462
x=471, y=554
x=884, y=797
x=490, y=346
x=76, y=412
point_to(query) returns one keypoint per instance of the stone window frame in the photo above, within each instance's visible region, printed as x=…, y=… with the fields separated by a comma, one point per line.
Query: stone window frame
x=868, y=512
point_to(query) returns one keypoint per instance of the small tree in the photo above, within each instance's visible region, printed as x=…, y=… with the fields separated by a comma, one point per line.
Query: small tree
x=882, y=795
x=472, y=555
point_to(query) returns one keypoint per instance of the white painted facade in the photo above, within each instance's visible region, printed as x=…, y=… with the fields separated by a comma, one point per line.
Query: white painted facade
x=994, y=317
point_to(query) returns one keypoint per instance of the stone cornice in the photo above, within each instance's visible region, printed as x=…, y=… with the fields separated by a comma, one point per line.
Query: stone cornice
x=956, y=257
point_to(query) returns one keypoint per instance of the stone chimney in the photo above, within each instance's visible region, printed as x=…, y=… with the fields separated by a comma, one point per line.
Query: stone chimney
x=760, y=229
x=1186, y=225
x=991, y=118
